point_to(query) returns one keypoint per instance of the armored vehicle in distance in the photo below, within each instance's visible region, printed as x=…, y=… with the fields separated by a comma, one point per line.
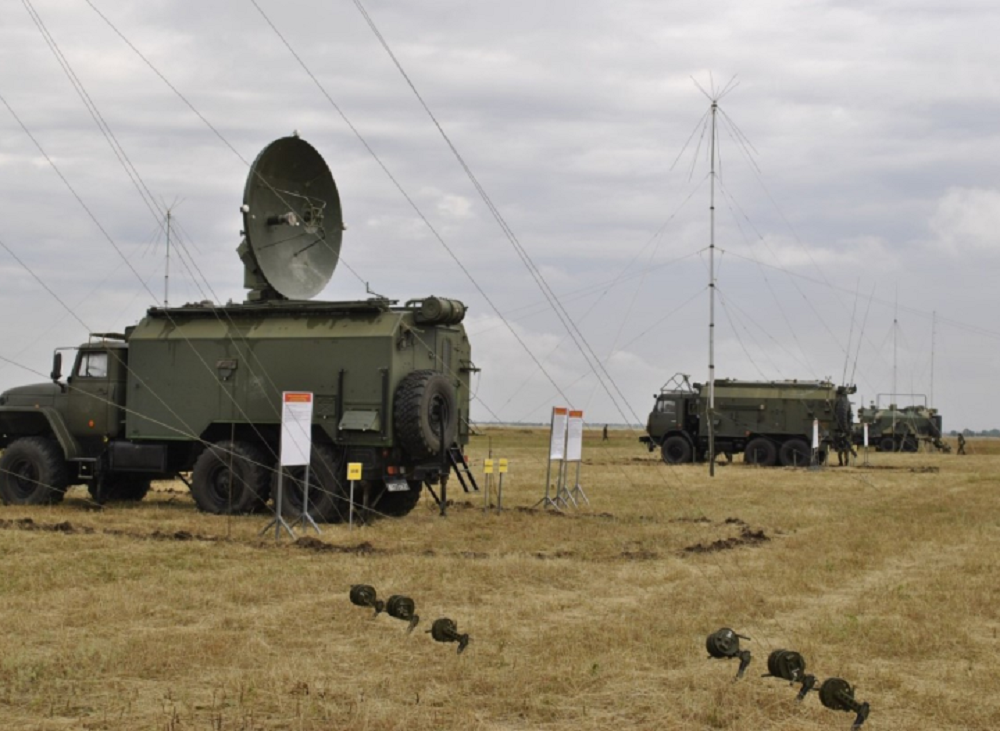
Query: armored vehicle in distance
x=900, y=429
x=198, y=389
x=770, y=422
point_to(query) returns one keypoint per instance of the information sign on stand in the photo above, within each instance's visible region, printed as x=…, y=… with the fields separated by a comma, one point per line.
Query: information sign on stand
x=865, y=425
x=574, y=453
x=814, y=462
x=557, y=451
x=296, y=446
x=353, y=475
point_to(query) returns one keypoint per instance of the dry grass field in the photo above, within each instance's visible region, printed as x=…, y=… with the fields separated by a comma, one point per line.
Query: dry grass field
x=153, y=616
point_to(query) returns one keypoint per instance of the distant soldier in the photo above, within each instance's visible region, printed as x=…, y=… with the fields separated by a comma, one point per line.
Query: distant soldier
x=604, y=436
x=961, y=444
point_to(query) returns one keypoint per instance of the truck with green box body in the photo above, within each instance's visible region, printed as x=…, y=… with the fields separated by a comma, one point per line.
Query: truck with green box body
x=769, y=422
x=197, y=389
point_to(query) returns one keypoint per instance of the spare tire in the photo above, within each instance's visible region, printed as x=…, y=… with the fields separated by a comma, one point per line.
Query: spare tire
x=423, y=400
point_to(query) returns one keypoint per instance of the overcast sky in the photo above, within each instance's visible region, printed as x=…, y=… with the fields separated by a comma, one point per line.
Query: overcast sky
x=858, y=155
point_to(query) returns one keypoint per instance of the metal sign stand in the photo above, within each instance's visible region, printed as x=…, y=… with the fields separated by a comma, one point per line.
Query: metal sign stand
x=563, y=495
x=503, y=471
x=305, y=520
x=488, y=471
x=279, y=521
x=577, y=490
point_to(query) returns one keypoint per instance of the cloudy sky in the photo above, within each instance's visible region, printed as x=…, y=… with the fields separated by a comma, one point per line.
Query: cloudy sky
x=858, y=170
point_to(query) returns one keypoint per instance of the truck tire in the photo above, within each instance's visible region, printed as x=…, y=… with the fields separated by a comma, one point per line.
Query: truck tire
x=328, y=492
x=122, y=487
x=398, y=504
x=909, y=444
x=33, y=472
x=230, y=478
x=887, y=444
x=676, y=450
x=419, y=397
x=760, y=451
x=795, y=453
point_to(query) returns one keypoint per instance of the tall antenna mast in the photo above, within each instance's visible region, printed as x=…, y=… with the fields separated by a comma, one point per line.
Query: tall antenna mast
x=166, y=274
x=933, y=332
x=895, y=398
x=895, y=328
x=711, y=304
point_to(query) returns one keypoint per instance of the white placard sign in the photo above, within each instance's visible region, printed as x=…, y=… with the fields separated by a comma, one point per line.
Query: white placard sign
x=557, y=440
x=866, y=434
x=296, y=427
x=815, y=433
x=574, y=437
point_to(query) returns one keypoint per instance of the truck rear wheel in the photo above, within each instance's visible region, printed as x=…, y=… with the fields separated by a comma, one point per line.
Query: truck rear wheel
x=119, y=487
x=676, y=450
x=887, y=444
x=328, y=494
x=423, y=400
x=795, y=453
x=230, y=478
x=33, y=472
x=398, y=504
x=760, y=451
x=909, y=444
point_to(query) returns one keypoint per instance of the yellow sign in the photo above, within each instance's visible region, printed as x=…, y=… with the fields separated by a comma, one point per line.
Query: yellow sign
x=353, y=470
x=503, y=466
x=488, y=466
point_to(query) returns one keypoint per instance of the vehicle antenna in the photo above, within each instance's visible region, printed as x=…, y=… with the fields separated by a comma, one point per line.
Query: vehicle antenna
x=166, y=271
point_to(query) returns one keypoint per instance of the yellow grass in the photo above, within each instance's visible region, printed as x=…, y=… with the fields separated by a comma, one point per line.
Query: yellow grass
x=591, y=620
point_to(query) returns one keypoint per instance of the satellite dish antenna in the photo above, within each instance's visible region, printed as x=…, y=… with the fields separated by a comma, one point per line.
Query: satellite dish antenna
x=292, y=222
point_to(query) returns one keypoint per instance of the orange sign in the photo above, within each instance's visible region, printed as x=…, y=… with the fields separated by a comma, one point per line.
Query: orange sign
x=298, y=398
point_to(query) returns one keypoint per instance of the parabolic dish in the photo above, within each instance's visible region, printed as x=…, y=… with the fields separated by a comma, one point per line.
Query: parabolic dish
x=292, y=218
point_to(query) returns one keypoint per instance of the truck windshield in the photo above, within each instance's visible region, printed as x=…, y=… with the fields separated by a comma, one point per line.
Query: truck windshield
x=669, y=408
x=93, y=365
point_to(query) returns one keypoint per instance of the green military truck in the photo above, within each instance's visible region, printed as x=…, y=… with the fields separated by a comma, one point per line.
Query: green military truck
x=197, y=389
x=900, y=429
x=769, y=422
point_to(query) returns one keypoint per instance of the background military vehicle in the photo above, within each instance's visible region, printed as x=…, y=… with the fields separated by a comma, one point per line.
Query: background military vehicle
x=900, y=429
x=198, y=388
x=770, y=422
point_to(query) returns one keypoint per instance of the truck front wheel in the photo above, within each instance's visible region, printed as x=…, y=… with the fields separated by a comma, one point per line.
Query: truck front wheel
x=230, y=478
x=33, y=472
x=676, y=450
x=888, y=444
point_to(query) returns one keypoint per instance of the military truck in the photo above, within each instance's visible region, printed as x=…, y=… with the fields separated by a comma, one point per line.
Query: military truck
x=769, y=422
x=900, y=429
x=197, y=389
